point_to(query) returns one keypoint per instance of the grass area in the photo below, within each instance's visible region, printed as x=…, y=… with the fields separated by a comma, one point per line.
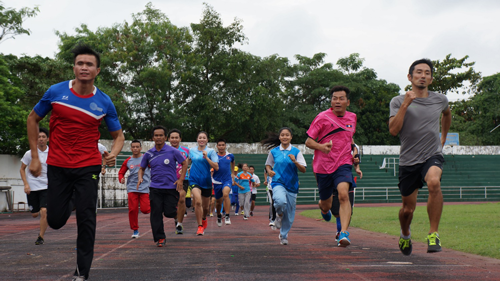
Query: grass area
x=472, y=229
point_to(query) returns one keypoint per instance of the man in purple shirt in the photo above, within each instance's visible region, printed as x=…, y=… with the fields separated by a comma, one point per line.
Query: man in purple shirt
x=165, y=186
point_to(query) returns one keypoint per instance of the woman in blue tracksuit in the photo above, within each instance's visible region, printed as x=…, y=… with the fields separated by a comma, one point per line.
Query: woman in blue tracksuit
x=282, y=165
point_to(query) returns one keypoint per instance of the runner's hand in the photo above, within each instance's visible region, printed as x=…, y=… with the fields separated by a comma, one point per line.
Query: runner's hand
x=272, y=173
x=326, y=147
x=35, y=167
x=110, y=158
x=409, y=97
x=139, y=183
x=27, y=189
x=179, y=185
x=204, y=154
x=359, y=172
x=292, y=157
x=122, y=181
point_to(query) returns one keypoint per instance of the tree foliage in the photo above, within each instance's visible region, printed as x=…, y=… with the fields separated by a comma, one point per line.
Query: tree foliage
x=11, y=21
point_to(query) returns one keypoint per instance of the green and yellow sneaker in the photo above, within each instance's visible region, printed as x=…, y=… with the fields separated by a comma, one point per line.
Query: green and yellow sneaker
x=405, y=246
x=433, y=243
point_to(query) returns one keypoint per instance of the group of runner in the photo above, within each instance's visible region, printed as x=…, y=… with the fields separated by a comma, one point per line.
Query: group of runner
x=73, y=163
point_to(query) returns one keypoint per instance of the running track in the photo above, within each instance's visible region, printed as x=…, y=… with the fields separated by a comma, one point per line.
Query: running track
x=245, y=250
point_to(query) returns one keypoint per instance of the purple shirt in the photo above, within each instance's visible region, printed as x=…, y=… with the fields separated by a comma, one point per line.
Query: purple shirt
x=163, y=165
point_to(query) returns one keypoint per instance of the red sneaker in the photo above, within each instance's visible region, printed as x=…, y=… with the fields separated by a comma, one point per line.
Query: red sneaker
x=204, y=223
x=160, y=243
x=200, y=230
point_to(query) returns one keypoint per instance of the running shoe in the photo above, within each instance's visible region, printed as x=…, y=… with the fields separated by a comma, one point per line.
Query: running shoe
x=277, y=222
x=211, y=214
x=337, y=236
x=245, y=218
x=219, y=221
x=236, y=214
x=78, y=278
x=200, y=230
x=185, y=214
x=327, y=216
x=39, y=240
x=344, y=239
x=271, y=223
x=160, y=243
x=136, y=234
x=283, y=241
x=433, y=243
x=242, y=212
x=204, y=223
x=405, y=246
x=251, y=213
x=227, y=220
x=179, y=229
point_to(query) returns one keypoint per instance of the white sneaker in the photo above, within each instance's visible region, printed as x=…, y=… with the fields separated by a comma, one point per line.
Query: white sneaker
x=271, y=223
x=219, y=221
x=277, y=222
x=227, y=220
x=245, y=218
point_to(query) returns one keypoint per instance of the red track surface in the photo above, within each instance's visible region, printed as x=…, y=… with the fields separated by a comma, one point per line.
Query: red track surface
x=245, y=250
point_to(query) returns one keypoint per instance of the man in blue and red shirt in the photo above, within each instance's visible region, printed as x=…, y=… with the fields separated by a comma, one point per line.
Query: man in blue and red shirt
x=165, y=186
x=223, y=180
x=74, y=162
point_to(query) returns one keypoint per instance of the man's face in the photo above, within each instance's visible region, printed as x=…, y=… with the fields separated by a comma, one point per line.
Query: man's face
x=42, y=139
x=85, y=67
x=174, y=139
x=159, y=136
x=135, y=148
x=421, y=76
x=340, y=102
x=251, y=170
x=221, y=147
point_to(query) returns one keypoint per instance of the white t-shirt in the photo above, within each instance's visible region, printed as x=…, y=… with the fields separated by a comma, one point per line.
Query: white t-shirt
x=40, y=182
x=257, y=180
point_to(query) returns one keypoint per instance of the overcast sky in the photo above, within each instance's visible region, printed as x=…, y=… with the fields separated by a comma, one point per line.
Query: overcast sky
x=388, y=34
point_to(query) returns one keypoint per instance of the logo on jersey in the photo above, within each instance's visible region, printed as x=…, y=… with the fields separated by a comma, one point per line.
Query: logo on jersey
x=65, y=98
x=348, y=126
x=94, y=106
x=131, y=167
x=167, y=161
x=228, y=158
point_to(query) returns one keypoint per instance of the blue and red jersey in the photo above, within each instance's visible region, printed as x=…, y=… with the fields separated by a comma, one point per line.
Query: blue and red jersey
x=74, y=124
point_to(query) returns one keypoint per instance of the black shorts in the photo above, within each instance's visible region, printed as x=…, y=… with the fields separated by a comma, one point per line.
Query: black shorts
x=36, y=200
x=185, y=185
x=336, y=203
x=412, y=177
x=205, y=192
x=253, y=197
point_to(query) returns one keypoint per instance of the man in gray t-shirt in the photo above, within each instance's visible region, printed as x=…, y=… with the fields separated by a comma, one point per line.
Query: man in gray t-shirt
x=415, y=117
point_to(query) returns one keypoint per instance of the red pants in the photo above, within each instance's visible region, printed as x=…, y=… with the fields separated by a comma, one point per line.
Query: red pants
x=133, y=207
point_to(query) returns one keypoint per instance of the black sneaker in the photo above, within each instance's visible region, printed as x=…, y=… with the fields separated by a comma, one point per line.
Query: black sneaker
x=179, y=229
x=405, y=246
x=39, y=240
x=433, y=243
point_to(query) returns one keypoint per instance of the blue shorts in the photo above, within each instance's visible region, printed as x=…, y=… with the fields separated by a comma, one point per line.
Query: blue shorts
x=218, y=188
x=327, y=183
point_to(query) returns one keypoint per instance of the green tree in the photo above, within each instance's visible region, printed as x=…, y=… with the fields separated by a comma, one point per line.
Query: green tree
x=13, y=138
x=226, y=92
x=476, y=117
x=141, y=67
x=11, y=21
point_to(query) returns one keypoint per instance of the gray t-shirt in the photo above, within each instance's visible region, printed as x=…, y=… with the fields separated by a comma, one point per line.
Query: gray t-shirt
x=420, y=132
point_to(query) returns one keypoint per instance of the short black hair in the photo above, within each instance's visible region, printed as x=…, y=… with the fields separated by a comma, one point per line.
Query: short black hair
x=158, y=127
x=221, y=140
x=251, y=167
x=174, y=131
x=136, y=141
x=83, y=49
x=417, y=62
x=43, y=130
x=340, y=89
